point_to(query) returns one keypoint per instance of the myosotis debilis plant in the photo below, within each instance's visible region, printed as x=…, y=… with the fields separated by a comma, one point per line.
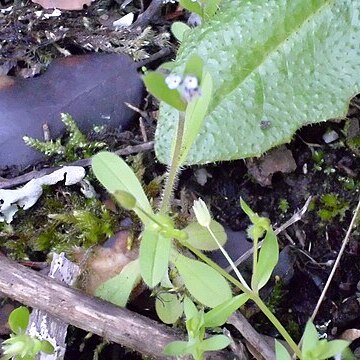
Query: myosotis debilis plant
x=206, y=282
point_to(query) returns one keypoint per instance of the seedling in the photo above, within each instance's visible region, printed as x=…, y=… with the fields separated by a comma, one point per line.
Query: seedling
x=20, y=345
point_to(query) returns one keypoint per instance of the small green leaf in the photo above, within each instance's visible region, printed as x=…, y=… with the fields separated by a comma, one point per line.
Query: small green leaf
x=154, y=256
x=281, y=352
x=179, y=29
x=115, y=175
x=219, y=315
x=192, y=6
x=327, y=349
x=190, y=308
x=195, y=325
x=19, y=320
x=195, y=115
x=194, y=67
x=200, y=238
x=117, y=290
x=46, y=347
x=247, y=210
x=310, y=339
x=216, y=342
x=203, y=282
x=156, y=85
x=176, y=348
x=268, y=258
x=168, y=307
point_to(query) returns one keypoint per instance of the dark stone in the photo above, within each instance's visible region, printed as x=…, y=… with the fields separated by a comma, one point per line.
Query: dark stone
x=92, y=88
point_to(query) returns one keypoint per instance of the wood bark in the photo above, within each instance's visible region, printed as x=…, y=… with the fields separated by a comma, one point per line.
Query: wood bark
x=91, y=314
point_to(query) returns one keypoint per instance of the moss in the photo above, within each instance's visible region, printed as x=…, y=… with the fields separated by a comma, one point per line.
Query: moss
x=283, y=205
x=61, y=220
x=331, y=207
x=77, y=145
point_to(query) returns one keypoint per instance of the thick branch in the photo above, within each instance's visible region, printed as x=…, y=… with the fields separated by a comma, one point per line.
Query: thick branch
x=113, y=323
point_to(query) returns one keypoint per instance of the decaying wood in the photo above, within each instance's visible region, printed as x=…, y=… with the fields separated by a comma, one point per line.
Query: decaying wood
x=116, y=324
x=91, y=314
x=46, y=326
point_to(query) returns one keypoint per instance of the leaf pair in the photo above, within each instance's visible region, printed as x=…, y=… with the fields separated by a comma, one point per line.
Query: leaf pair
x=196, y=324
x=265, y=263
x=313, y=348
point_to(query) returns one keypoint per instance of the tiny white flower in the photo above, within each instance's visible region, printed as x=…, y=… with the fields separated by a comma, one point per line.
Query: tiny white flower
x=202, y=213
x=191, y=82
x=173, y=81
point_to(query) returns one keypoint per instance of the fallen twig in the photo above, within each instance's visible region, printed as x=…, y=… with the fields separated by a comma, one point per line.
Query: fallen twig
x=240, y=322
x=22, y=179
x=337, y=261
x=91, y=314
x=148, y=15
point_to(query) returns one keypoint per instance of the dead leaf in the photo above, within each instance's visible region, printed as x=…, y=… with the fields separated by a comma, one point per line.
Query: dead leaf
x=106, y=261
x=92, y=88
x=277, y=160
x=63, y=4
x=350, y=335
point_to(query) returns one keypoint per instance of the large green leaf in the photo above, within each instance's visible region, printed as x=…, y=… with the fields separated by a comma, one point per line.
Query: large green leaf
x=203, y=282
x=276, y=66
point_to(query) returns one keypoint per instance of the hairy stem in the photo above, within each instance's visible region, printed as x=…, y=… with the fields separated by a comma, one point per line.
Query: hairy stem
x=174, y=166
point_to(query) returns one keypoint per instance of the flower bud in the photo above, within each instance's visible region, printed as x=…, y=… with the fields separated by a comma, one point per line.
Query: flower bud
x=202, y=213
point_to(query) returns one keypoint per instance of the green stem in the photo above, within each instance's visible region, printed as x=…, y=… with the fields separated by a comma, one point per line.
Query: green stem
x=253, y=296
x=174, y=167
x=255, y=261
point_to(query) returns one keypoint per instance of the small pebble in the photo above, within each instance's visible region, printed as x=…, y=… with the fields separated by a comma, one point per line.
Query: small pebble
x=330, y=136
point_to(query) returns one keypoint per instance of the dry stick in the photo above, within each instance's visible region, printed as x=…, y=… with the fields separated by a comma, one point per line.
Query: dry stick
x=22, y=179
x=91, y=314
x=240, y=322
x=337, y=261
x=104, y=319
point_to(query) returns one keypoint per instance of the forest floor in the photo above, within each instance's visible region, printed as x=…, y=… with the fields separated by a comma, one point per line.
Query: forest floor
x=276, y=185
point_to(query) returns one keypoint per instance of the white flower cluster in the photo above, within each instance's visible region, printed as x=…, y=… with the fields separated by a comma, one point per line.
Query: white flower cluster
x=187, y=86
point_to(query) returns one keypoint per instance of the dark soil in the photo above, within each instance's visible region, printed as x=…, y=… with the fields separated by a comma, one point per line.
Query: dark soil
x=327, y=172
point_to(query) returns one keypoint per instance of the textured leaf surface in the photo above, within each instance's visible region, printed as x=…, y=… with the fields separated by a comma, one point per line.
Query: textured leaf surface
x=284, y=63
